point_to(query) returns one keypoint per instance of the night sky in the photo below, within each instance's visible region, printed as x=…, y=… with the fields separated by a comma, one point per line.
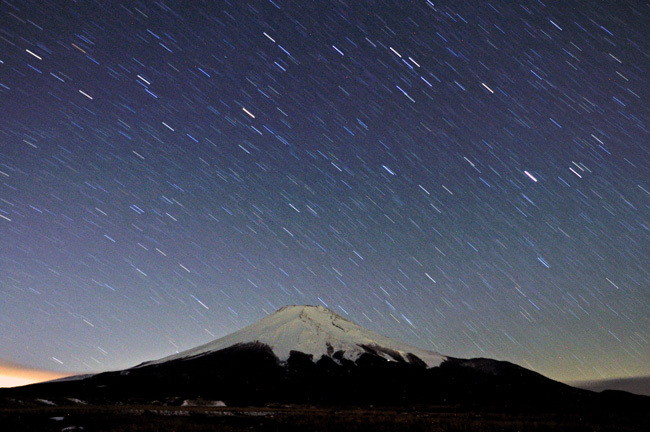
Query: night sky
x=469, y=177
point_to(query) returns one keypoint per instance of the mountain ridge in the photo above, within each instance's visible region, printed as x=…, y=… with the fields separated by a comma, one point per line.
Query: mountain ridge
x=636, y=385
x=311, y=355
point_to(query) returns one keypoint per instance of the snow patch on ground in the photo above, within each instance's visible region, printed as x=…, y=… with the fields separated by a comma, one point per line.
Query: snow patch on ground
x=203, y=403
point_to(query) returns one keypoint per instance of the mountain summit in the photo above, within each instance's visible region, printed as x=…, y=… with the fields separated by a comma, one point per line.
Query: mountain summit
x=315, y=331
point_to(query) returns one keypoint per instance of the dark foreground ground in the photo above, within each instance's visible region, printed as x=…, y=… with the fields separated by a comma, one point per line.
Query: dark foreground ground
x=312, y=419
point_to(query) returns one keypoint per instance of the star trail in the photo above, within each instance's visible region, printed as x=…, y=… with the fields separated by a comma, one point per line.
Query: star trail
x=469, y=177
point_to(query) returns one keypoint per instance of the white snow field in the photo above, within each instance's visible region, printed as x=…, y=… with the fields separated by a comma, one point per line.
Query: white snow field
x=312, y=330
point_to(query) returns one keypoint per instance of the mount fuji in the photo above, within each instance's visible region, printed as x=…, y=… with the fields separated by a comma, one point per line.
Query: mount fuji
x=315, y=331
x=311, y=355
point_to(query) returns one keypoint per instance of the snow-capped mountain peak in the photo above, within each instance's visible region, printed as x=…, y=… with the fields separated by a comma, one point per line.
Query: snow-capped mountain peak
x=313, y=330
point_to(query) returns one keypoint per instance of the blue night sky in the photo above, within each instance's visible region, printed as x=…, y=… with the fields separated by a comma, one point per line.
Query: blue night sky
x=470, y=177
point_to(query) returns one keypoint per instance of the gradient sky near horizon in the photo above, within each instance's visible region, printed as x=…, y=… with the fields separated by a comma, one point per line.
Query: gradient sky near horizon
x=471, y=177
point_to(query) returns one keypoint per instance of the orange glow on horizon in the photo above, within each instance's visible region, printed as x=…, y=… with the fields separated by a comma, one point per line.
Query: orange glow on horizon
x=12, y=375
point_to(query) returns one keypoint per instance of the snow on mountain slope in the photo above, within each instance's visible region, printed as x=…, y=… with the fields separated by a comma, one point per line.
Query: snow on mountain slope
x=312, y=330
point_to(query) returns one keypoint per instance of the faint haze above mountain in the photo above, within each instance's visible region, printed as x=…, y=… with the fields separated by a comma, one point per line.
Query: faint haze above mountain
x=636, y=385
